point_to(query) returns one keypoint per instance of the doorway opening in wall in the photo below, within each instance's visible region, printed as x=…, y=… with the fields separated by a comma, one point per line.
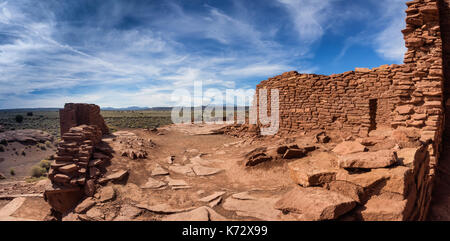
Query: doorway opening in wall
x=373, y=105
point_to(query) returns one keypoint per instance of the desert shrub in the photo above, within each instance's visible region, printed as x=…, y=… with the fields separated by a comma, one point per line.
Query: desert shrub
x=12, y=172
x=48, y=144
x=38, y=171
x=2, y=148
x=19, y=118
x=45, y=164
x=29, y=113
x=23, y=153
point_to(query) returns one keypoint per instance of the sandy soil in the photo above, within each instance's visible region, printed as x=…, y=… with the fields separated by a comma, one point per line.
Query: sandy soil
x=21, y=164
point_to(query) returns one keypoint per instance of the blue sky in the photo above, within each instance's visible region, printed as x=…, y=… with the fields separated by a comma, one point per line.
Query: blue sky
x=123, y=53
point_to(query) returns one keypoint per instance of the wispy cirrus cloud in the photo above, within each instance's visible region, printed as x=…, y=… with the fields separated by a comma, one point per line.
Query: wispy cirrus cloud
x=121, y=53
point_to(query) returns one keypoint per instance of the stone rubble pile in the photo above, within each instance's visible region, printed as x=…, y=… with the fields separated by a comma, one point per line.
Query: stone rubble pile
x=371, y=186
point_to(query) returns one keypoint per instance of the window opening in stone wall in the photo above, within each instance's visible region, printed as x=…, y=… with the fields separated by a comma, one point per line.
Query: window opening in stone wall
x=373, y=106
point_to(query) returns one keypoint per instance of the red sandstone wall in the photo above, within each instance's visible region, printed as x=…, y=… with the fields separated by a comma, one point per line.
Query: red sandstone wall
x=339, y=101
x=81, y=114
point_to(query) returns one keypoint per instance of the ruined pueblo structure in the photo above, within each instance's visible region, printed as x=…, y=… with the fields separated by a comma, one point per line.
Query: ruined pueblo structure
x=410, y=97
x=390, y=120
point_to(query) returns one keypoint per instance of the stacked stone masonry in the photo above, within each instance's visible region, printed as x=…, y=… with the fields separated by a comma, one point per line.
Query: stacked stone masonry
x=80, y=158
x=75, y=161
x=412, y=95
x=81, y=114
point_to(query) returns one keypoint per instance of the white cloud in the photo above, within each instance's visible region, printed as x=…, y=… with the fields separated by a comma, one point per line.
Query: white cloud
x=308, y=16
x=389, y=42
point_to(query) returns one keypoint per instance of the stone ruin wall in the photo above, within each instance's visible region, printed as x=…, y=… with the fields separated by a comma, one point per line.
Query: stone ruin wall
x=81, y=114
x=410, y=95
x=80, y=157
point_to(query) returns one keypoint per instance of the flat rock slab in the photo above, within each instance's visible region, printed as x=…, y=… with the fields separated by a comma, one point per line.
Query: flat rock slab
x=85, y=205
x=11, y=207
x=261, y=208
x=106, y=194
x=307, y=174
x=176, y=182
x=163, y=208
x=315, y=203
x=211, y=197
x=153, y=184
x=203, y=162
x=184, y=170
x=95, y=214
x=368, y=160
x=348, y=147
x=410, y=156
x=205, y=171
x=243, y=196
x=292, y=153
x=159, y=171
x=365, y=180
x=117, y=176
x=215, y=202
x=399, y=179
x=198, y=214
x=383, y=209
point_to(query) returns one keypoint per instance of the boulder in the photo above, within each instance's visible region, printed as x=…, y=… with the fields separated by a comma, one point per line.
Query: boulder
x=85, y=205
x=63, y=200
x=89, y=188
x=95, y=214
x=294, y=153
x=282, y=149
x=366, y=180
x=411, y=157
x=117, y=176
x=379, y=208
x=315, y=203
x=257, y=159
x=368, y=160
x=306, y=174
x=322, y=137
x=399, y=180
x=106, y=194
x=347, y=189
x=348, y=147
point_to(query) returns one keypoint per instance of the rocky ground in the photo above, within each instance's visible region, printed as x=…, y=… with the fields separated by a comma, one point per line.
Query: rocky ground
x=194, y=172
